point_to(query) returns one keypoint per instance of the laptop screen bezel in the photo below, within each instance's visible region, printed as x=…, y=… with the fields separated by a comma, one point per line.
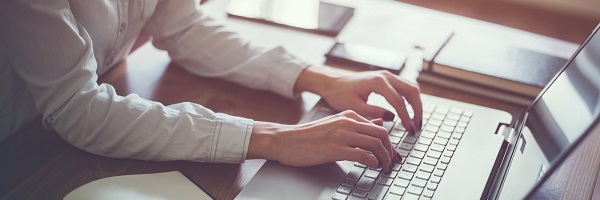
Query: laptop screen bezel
x=563, y=155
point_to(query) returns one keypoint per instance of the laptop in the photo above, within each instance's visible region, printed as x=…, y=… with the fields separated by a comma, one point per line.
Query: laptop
x=464, y=151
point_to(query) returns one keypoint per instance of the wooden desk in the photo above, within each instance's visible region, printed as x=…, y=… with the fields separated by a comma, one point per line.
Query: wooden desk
x=36, y=164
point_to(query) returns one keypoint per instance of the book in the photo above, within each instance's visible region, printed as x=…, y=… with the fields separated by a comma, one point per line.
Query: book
x=166, y=185
x=494, y=64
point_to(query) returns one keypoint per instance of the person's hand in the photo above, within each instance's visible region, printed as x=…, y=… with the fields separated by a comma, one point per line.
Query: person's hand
x=344, y=136
x=350, y=92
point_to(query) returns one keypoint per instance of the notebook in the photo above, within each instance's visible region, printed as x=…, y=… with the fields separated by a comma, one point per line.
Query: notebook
x=464, y=151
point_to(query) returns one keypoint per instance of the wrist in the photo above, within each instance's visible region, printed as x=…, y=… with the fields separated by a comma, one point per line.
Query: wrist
x=263, y=143
x=315, y=80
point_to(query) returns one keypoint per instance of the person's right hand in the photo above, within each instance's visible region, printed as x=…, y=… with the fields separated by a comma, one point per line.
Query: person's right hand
x=344, y=136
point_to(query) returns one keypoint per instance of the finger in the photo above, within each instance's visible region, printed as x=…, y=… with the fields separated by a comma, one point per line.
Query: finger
x=355, y=116
x=412, y=94
x=378, y=132
x=378, y=121
x=358, y=155
x=374, y=144
x=368, y=110
x=397, y=102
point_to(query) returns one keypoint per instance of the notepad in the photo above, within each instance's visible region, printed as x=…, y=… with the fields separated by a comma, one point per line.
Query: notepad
x=160, y=186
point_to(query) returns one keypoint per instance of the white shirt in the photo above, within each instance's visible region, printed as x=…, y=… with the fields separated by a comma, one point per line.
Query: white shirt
x=52, y=52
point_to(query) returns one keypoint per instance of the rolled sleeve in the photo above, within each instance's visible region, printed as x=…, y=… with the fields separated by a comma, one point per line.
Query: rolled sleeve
x=231, y=139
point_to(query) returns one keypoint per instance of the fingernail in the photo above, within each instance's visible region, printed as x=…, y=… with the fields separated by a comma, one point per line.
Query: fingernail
x=388, y=116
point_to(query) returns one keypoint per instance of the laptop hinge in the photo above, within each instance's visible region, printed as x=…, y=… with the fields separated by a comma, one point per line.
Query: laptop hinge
x=491, y=187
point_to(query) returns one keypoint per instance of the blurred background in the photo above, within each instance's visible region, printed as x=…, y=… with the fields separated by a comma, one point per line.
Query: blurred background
x=570, y=20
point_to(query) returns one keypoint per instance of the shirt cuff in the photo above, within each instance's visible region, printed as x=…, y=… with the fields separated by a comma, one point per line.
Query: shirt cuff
x=231, y=139
x=286, y=73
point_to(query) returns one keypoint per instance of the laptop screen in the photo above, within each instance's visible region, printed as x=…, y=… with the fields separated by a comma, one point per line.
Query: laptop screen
x=558, y=118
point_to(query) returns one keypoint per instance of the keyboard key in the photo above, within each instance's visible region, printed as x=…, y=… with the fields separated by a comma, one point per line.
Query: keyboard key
x=468, y=113
x=434, y=154
x=427, y=134
x=397, y=133
x=461, y=124
x=433, y=129
x=456, y=135
x=409, y=196
x=426, y=168
x=396, y=167
x=417, y=154
x=410, y=139
x=448, y=153
x=413, y=161
x=459, y=130
x=349, y=183
x=447, y=128
x=409, y=168
x=456, y=110
x=378, y=192
x=360, y=165
x=359, y=193
x=453, y=141
x=436, y=179
x=371, y=173
x=437, y=116
x=385, y=181
x=403, y=153
x=414, y=190
x=464, y=119
x=442, y=166
x=428, y=193
x=438, y=172
x=425, y=141
x=430, y=161
x=444, y=160
x=451, y=147
x=406, y=146
x=440, y=141
x=397, y=190
x=428, y=107
x=344, y=190
x=355, y=173
x=388, y=125
x=437, y=147
x=418, y=183
x=365, y=183
x=390, y=196
x=442, y=109
x=338, y=196
x=422, y=175
x=405, y=175
x=401, y=182
x=392, y=174
x=394, y=140
x=434, y=122
x=444, y=134
x=432, y=185
x=450, y=122
x=453, y=116
x=421, y=147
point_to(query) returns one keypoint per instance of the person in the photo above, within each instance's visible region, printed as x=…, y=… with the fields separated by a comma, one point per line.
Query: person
x=52, y=53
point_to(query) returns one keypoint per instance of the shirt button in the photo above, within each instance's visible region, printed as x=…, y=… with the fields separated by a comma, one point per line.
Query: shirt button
x=123, y=26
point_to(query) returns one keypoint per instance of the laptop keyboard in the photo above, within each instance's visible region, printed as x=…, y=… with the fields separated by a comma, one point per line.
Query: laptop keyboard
x=426, y=156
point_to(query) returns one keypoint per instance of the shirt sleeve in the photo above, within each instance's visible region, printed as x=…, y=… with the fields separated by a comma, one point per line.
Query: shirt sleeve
x=53, y=54
x=205, y=47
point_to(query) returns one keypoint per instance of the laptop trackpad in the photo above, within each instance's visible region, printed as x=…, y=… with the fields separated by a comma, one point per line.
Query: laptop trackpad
x=277, y=181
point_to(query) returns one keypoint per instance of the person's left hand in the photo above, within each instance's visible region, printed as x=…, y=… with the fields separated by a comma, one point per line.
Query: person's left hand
x=350, y=92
